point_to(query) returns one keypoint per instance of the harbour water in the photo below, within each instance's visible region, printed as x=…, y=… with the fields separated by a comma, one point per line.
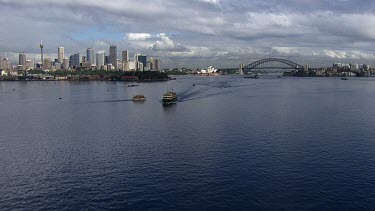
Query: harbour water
x=230, y=142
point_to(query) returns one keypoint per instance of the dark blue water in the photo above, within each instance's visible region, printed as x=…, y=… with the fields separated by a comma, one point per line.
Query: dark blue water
x=229, y=143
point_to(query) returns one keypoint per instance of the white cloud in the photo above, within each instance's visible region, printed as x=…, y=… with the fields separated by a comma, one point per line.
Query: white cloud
x=137, y=36
x=213, y=29
x=167, y=44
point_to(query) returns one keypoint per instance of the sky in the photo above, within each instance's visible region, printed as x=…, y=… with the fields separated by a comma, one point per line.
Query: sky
x=194, y=33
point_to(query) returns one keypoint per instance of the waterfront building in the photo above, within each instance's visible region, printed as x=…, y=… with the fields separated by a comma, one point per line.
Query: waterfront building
x=150, y=63
x=109, y=67
x=22, y=59
x=119, y=65
x=90, y=56
x=125, y=66
x=60, y=52
x=47, y=64
x=132, y=66
x=29, y=64
x=143, y=60
x=106, y=60
x=156, y=64
x=148, y=66
x=6, y=63
x=65, y=65
x=84, y=59
x=136, y=57
x=125, y=56
x=100, y=59
x=56, y=65
x=354, y=66
x=113, y=55
x=1, y=63
x=74, y=60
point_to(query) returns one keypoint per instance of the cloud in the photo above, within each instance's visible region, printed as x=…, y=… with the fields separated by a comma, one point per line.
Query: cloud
x=166, y=44
x=228, y=32
x=137, y=36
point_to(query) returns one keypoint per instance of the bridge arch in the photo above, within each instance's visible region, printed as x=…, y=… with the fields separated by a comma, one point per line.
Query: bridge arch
x=269, y=63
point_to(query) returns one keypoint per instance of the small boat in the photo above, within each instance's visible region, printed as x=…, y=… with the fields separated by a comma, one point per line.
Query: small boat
x=344, y=79
x=169, y=98
x=279, y=76
x=254, y=76
x=139, y=98
x=132, y=85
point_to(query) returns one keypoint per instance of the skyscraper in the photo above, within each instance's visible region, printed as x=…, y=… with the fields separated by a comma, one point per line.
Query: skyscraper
x=47, y=64
x=6, y=63
x=136, y=57
x=125, y=56
x=143, y=60
x=65, y=63
x=100, y=59
x=90, y=56
x=60, y=52
x=22, y=59
x=1, y=63
x=74, y=60
x=113, y=55
x=156, y=64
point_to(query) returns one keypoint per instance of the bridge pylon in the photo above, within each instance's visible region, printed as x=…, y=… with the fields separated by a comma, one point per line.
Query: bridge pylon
x=240, y=70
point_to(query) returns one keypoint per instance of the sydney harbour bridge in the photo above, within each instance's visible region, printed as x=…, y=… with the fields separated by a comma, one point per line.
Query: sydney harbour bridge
x=275, y=64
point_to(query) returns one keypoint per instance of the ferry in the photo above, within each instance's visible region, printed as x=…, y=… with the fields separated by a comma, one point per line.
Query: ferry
x=169, y=98
x=139, y=98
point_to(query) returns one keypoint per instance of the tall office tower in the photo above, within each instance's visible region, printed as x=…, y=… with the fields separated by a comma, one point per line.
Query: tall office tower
x=125, y=56
x=156, y=64
x=113, y=55
x=136, y=57
x=65, y=63
x=90, y=56
x=100, y=60
x=142, y=59
x=6, y=63
x=47, y=64
x=106, y=60
x=30, y=64
x=1, y=63
x=22, y=59
x=74, y=60
x=84, y=59
x=60, y=52
x=41, y=51
x=150, y=63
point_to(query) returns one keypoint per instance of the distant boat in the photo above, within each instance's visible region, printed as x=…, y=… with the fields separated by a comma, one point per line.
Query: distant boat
x=279, y=76
x=132, y=85
x=253, y=76
x=169, y=98
x=344, y=79
x=139, y=98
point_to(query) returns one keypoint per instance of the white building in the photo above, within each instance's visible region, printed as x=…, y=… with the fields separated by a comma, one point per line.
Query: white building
x=60, y=52
x=100, y=59
x=65, y=65
x=209, y=70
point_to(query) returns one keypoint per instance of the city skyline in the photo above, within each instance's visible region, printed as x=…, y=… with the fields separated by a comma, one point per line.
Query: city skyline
x=196, y=33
